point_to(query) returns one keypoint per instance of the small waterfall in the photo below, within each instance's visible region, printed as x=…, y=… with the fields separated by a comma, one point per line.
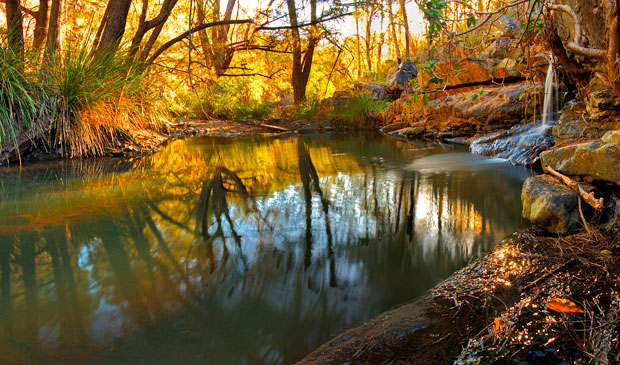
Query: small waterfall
x=522, y=143
x=550, y=102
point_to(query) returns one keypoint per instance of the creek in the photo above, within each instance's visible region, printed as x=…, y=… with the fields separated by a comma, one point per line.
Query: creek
x=236, y=251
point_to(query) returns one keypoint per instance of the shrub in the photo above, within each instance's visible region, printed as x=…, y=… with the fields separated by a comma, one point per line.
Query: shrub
x=99, y=99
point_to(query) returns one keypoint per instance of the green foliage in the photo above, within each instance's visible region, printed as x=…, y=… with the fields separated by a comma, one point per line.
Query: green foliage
x=432, y=10
x=22, y=100
x=359, y=108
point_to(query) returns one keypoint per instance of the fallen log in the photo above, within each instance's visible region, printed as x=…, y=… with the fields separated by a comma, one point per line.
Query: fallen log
x=573, y=185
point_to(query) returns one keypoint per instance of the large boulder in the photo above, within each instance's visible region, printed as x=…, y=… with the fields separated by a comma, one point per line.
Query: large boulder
x=594, y=161
x=480, y=109
x=549, y=206
x=453, y=74
x=399, y=80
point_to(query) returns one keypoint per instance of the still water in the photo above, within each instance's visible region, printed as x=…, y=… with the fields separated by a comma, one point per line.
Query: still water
x=236, y=251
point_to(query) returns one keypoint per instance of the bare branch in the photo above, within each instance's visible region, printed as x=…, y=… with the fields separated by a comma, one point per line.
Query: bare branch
x=318, y=21
x=186, y=34
x=575, y=44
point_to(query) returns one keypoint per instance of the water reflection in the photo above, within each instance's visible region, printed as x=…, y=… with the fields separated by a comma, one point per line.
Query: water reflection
x=220, y=251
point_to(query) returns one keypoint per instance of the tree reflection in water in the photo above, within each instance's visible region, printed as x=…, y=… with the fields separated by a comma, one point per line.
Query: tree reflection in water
x=246, y=251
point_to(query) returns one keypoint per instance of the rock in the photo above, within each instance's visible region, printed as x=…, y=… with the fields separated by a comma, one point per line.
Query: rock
x=507, y=26
x=330, y=104
x=602, y=103
x=398, y=82
x=507, y=69
x=611, y=214
x=551, y=207
x=500, y=48
x=595, y=161
x=342, y=94
x=391, y=71
x=502, y=106
x=371, y=88
x=410, y=131
x=394, y=126
x=464, y=72
x=409, y=66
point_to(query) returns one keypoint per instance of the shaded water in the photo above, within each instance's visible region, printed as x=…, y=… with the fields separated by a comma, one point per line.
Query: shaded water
x=245, y=251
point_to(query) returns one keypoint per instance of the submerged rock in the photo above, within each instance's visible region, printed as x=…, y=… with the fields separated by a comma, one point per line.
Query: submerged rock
x=550, y=206
x=595, y=161
x=520, y=145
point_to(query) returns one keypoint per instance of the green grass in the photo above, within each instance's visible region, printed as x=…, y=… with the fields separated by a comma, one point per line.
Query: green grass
x=359, y=108
x=221, y=102
x=23, y=108
x=308, y=109
x=99, y=99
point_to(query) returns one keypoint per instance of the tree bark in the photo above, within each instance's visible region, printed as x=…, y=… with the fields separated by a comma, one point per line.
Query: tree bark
x=15, y=29
x=114, y=26
x=40, y=27
x=51, y=45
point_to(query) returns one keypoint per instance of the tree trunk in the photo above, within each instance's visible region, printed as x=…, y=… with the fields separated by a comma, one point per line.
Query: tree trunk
x=114, y=26
x=40, y=27
x=393, y=29
x=144, y=26
x=216, y=51
x=359, y=48
x=51, y=45
x=369, y=16
x=15, y=28
x=301, y=67
x=406, y=23
x=381, y=40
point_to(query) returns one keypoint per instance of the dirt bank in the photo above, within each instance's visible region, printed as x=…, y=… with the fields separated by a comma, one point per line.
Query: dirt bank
x=533, y=299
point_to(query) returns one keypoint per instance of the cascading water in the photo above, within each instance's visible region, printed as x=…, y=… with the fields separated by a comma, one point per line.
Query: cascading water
x=522, y=143
x=551, y=100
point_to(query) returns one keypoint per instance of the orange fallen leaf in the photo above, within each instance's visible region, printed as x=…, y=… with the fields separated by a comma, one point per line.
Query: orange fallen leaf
x=563, y=306
x=499, y=324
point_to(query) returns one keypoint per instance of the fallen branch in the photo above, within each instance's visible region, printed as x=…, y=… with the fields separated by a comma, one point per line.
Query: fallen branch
x=573, y=185
x=264, y=125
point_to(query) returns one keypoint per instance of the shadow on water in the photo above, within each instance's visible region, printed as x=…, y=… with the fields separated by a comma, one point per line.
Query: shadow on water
x=246, y=251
